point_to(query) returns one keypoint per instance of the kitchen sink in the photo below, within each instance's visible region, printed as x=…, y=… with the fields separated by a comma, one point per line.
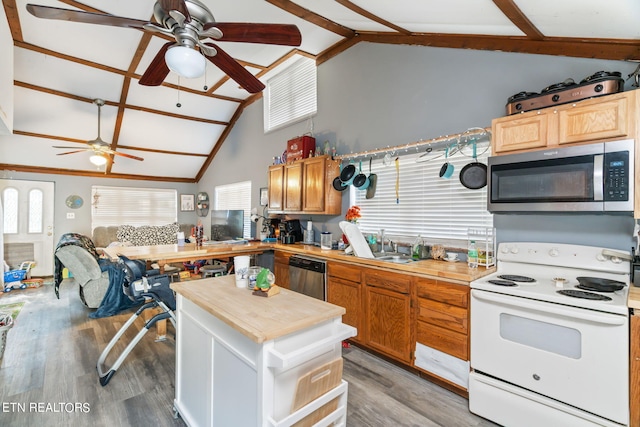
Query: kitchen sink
x=397, y=257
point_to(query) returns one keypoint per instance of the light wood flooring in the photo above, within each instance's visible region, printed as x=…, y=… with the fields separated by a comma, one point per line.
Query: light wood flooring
x=48, y=375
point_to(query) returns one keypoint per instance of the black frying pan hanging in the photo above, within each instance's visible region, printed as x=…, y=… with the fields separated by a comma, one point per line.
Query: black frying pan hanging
x=338, y=185
x=474, y=175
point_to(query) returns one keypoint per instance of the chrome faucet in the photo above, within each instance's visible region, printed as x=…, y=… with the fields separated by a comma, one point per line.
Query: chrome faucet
x=382, y=240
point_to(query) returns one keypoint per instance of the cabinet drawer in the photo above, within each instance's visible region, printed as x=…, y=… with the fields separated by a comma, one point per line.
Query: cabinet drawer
x=443, y=315
x=449, y=293
x=346, y=272
x=453, y=343
x=384, y=279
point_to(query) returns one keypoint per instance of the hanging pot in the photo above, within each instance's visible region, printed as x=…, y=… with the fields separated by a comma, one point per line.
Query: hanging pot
x=373, y=180
x=447, y=169
x=348, y=173
x=337, y=182
x=361, y=181
x=474, y=175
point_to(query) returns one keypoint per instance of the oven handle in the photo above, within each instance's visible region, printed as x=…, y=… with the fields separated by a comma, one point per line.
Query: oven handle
x=603, y=318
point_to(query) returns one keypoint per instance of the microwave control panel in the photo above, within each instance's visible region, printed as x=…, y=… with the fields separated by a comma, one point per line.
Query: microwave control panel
x=616, y=176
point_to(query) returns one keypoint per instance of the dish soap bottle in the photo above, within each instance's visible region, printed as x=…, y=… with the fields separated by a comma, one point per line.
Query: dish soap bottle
x=472, y=255
x=415, y=250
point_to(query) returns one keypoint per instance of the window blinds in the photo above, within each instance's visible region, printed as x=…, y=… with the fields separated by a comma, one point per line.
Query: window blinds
x=427, y=205
x=291, y=95
x=236, y=196
x=132, y=206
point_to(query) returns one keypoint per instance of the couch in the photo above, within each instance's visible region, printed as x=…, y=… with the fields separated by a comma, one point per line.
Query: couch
x=93, y=283
x=144, y=235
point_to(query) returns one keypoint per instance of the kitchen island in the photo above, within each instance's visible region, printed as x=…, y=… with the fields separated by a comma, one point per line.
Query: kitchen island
x=255, y=361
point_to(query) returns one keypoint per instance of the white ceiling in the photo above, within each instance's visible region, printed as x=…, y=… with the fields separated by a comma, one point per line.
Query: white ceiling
x=61, y=66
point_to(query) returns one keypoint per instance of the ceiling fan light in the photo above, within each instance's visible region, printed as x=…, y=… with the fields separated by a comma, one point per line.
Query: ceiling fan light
x=186, y=62
x=98, y=159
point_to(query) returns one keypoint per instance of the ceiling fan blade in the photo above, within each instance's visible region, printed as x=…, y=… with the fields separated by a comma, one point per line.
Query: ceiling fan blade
x=125, y=155
x=63, y=146
x=233, y=69
x=72, y=152
x=177, y=5
x=281, y=34
x=47, y=12
x=157, y=70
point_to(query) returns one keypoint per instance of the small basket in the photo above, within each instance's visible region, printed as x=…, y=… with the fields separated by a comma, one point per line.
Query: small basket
x=6, y=323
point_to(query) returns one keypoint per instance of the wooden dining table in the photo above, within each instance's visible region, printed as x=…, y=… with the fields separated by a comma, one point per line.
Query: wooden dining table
x=164, y=254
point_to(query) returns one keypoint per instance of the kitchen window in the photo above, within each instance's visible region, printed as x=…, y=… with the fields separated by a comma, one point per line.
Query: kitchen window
x=133, y=206
x=440, y=210
x=236, y=196
x=291, y=95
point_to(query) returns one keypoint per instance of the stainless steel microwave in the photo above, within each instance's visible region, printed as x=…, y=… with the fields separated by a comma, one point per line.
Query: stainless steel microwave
x=596, y=177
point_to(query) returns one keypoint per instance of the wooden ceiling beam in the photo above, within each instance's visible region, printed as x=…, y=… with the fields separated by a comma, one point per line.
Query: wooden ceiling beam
x=11, y=10
x=611, y=49
x=363, y=12
x=515, y=15
x=314, y=18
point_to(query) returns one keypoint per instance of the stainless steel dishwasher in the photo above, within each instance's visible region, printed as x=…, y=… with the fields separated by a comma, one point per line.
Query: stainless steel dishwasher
x=308, y=276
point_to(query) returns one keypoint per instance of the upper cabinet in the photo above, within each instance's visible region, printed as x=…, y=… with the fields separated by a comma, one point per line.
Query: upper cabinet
x=304, y=186
x=597, y=119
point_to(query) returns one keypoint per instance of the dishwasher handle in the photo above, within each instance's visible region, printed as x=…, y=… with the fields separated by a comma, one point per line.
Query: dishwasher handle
x=310, y=264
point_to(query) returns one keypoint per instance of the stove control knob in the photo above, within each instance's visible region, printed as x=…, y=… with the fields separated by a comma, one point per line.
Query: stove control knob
x=504, y=249
x=515, y=250
x=601, y=257
x=554, y=252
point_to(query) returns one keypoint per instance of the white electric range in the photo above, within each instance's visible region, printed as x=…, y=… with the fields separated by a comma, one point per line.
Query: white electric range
x=550, y=336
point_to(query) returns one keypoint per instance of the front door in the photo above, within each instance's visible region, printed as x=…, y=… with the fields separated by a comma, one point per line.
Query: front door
x=28, y=224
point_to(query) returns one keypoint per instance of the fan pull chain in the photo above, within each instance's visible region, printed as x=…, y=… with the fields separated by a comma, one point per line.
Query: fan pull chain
x=178, y=103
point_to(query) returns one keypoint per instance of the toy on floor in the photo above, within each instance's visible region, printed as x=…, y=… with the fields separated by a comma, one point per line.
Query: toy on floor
x=13, y=278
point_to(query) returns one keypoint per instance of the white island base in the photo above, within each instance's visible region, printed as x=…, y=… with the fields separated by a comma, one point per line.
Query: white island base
x=243, y=360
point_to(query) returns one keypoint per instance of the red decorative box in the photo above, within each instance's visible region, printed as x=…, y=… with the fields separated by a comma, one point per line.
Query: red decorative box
x=300, y=147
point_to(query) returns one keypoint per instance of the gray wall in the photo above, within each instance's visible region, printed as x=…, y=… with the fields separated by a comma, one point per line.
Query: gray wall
x=373, y=96
x=69, y=185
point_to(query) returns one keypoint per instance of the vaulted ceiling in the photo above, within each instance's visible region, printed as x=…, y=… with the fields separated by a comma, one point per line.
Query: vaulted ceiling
x=60, y=67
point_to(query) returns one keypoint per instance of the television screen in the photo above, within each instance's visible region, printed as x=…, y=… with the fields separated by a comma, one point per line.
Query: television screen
x=227, y=224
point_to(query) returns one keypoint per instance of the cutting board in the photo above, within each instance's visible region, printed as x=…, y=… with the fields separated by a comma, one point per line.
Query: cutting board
x=360, y=246
x=313, y=385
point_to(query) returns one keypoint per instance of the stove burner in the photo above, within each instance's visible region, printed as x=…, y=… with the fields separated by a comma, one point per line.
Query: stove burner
x=516, y=278
x=559, y=86
x=593, y=288
x=584, y=295
x=600, y=75
x=520, y=96
x=502, y=282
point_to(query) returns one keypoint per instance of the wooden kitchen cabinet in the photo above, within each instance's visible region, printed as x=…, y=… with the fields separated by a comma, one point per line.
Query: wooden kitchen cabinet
x=305, y=186
x=634, y=370
x=388, y=313
x=597, y=119
x=281, y=268
x=344, y=288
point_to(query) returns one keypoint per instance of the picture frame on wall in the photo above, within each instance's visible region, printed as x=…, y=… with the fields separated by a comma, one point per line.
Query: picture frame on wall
x=264, y=196
x=187, y=202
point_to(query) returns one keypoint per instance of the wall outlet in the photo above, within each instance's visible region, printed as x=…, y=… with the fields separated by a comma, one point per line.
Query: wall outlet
x=71, y=215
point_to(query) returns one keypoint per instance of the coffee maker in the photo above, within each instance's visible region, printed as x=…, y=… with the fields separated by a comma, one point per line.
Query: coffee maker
x=291, y=227
x=272, y=225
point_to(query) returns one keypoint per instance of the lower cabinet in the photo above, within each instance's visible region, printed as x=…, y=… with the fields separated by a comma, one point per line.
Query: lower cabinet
x=281, y=268
x=634, y=370
x=388, y=313
x=344, y=288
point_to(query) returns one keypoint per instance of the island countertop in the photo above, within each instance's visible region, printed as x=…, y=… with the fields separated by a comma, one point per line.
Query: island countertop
x=259, y=318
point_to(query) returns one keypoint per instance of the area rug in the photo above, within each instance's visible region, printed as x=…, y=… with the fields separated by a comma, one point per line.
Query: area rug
x=13, y=308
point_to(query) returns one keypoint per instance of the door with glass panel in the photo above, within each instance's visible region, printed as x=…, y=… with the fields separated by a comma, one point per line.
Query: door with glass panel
x=28, y=224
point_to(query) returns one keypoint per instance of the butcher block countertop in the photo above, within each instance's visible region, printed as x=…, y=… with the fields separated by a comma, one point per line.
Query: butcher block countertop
x=259, y=318
x=633, y=300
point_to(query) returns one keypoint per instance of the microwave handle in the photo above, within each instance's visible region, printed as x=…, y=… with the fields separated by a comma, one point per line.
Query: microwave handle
x=598, y=177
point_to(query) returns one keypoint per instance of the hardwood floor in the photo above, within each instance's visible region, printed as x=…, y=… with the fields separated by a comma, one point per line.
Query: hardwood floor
x=48, y=375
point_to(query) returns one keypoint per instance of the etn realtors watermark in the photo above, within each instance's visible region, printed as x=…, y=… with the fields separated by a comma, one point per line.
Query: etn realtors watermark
x=46, y=407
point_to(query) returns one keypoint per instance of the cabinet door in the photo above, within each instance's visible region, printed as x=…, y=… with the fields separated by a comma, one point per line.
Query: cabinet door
x=388, y=316
x=281, y=268
x=597, y=120
x=314, y=184
x=634, y=389
x=276, y=187
x=293, y=186
x=521, y=132
x=348, y=295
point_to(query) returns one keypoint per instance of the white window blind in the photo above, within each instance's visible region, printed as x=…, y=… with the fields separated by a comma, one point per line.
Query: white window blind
x=132, y=206
x=236, y=196
x=291, y=95
x=430, y=206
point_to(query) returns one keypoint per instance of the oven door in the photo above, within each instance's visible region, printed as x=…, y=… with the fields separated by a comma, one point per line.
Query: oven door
x=577, y=356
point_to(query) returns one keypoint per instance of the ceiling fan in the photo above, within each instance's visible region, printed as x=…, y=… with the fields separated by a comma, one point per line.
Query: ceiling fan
x=101, y=150
x=190, y=23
